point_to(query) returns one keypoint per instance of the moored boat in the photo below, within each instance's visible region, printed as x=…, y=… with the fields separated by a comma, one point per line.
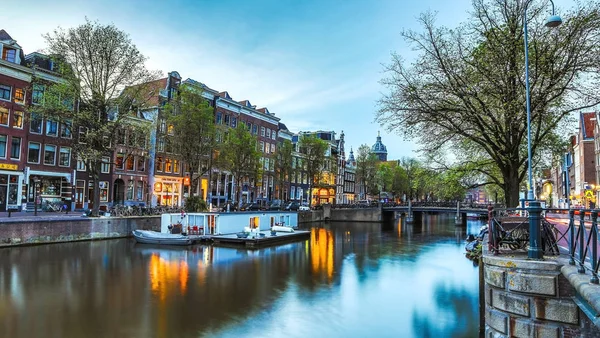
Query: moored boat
x=153, y=237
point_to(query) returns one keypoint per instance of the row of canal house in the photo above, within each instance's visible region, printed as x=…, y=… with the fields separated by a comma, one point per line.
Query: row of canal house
x=36, y=162
x=582, y=154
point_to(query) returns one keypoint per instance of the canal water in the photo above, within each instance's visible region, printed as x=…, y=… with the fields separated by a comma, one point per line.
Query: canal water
x=347, y=280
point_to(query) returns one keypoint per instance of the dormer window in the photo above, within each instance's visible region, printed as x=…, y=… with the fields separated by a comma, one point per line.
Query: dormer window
x=9, y=54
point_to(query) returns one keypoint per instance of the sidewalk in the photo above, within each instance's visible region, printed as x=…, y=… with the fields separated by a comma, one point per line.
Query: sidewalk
x=41, y=215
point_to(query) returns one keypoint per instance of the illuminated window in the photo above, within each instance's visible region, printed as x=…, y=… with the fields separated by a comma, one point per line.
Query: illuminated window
x=18, y=119
x=19, y=96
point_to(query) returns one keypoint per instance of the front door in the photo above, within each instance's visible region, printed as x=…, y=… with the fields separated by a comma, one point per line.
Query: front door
x=79, y=194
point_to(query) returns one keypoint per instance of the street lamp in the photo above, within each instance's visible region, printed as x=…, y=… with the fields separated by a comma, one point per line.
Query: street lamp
x=36, y=181
x=535, y=250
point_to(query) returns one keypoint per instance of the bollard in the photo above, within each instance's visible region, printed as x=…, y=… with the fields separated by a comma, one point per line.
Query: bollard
x=571, y=237
x=535, y=234
x=594, y=234
x=581, y=241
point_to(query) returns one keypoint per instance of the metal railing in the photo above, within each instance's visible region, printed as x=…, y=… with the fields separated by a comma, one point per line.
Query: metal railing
x=570, y=232
x=449, y=205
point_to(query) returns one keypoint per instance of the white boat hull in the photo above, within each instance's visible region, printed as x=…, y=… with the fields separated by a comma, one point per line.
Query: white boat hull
x=153, y=237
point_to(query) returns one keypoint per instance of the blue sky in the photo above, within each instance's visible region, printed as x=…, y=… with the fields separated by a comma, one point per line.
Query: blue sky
x=314, y=63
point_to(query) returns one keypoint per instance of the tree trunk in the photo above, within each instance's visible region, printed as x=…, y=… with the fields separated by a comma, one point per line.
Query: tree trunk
x=511, y=188
x=96, y=176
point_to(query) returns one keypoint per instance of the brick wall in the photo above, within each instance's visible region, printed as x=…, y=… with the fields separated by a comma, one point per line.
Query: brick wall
x=72, y=229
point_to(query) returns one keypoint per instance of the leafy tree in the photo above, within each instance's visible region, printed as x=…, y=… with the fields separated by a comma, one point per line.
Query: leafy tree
x=384, y=177
x=239, y=155
x=366, y=165
x=466, y=93
x=313, y=150
x=399, y=181
x=193, y=138
x=103, y=81
x=411, y=167
x=283, y=165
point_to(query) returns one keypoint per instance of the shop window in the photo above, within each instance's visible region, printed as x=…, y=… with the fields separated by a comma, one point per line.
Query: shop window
x=15, y=148
x=19, y=95
x=64, y=159
x=139, y=191
x=18, y=119
x=168, y=165
x=119, y=162
x=130, y=190
x=4, y=114
x=103, y=185
x=33, y=152
x=105, y=166
x=49, y=154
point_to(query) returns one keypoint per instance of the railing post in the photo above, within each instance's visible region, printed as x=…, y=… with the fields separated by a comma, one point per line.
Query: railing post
x=581, y=241
x=491, y=236
x=535, y=234
x=594, y=233
x=572, y=238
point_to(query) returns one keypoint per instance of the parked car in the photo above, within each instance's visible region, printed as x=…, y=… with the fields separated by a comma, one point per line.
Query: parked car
x=251, y=207
x=304, y=207
x=275, y=205
x=292, y=206
x=232, y=206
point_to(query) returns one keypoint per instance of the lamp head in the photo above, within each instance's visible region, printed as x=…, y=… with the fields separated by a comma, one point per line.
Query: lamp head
x=553, y=21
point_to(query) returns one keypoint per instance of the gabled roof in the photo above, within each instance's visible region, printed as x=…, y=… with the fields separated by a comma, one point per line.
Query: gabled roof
x=587, y=125
x=225, y=95
x=4, y=35
x=151, y=91
x=283, y=126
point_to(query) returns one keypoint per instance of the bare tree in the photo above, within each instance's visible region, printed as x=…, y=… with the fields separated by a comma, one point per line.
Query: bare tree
x=105, y=80
x=466, y=91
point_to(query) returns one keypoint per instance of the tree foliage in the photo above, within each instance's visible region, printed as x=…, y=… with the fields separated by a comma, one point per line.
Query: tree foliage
x=283, y=165
x=366, y=168
x=313, y=151
x=193, y=129
x=466, y=90
x=103, y=81
x=239, y=156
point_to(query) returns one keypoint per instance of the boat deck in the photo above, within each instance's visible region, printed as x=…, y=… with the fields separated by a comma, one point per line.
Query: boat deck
x=255, y=243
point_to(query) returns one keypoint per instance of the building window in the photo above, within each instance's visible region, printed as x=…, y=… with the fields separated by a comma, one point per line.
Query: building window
x=171, y=130
x=80, y=165
x=19, y=95
x=103, y=185
x=226, y=119
x=273, y=148
x=274, y=135
x=82, y=132
x=267, y=148
x=163, y=126
x=159, y=164
x=5, y=92
x=292, y=192
x=161, y=144
x=261, y=146
x=37, y=95
x=129, y=191
x=3, y=139
x=9, y=54
x=266, y=166
x=262, y=131
x=51, y=128
x=168, y=165
x=141, y=164
x=64, y=158
x=139, y=191
x=130, y=163
x=66, y=128
x=233, y=122
x=176, y=166
x=268, y=133
x=4, y=114
x=255, y=129
x=15, y=148
x=119, y=162
x=18, y=119
x=219, y=118
x=105, y=166
x=49, y=154
x=33, y=152
x=249, y=125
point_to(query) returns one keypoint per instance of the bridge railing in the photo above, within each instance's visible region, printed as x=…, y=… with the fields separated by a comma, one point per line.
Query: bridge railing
x=570, y=232
x=449, y=205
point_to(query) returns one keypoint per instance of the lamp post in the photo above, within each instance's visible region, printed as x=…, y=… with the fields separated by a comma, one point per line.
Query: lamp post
x=36, y=181
x=535, y=250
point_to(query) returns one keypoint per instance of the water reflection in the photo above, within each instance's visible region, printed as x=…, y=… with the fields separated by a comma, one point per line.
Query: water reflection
x=347, y=280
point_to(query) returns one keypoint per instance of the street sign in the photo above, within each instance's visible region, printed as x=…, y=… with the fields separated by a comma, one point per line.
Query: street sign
x=589, y=194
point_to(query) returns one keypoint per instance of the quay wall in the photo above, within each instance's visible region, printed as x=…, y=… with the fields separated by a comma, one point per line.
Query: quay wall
x=531, y=298
x=69, y=229
x=342, y=215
